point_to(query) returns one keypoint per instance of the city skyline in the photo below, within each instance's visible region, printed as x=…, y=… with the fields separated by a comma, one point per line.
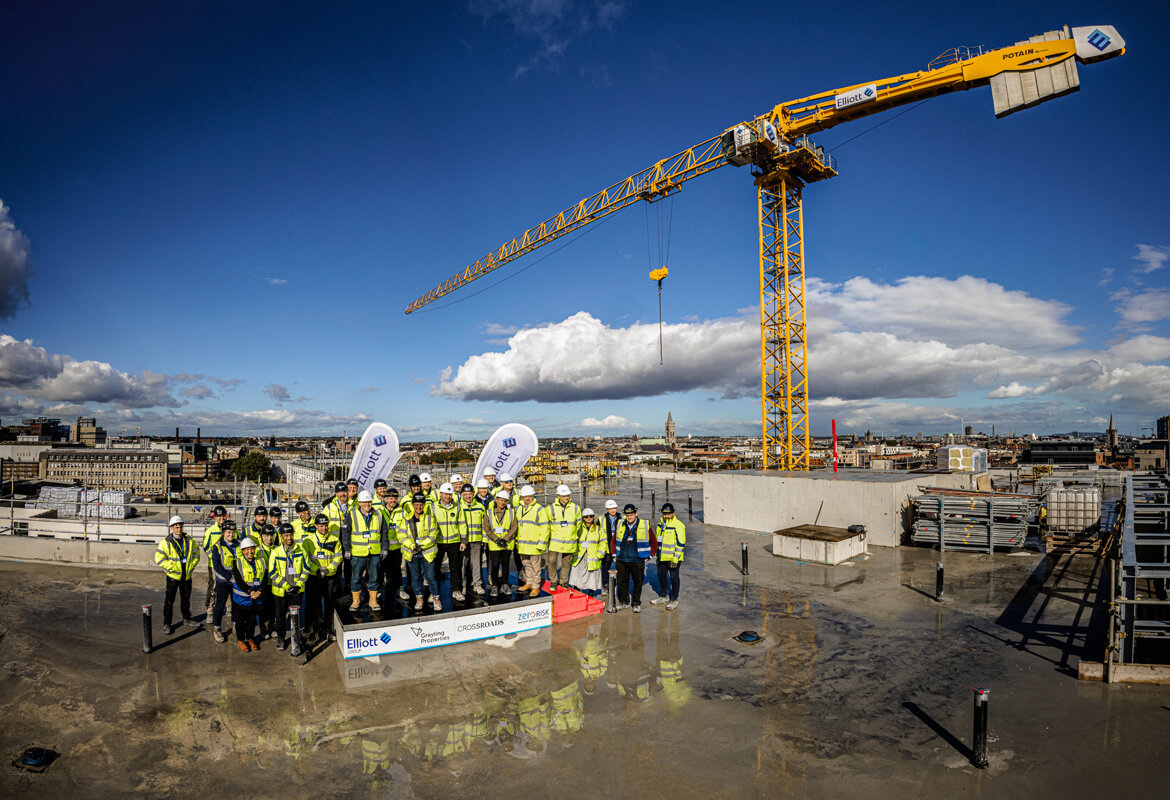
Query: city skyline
x=195, y=205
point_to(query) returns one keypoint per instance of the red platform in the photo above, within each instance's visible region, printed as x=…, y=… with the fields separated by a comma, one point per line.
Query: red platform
x=570, y=604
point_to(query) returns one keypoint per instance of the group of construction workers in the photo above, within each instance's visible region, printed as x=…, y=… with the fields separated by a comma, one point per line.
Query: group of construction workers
x=380, y=549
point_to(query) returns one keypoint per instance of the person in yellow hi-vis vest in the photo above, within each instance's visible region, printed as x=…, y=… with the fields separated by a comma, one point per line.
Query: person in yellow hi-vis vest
x=177, y=554
x=672, y=538
x=564, y=526
x=591, y=549
x=363, y=536
x=532, y=538
x=288, y=573
x=499, y=529
x=392, y=510
x=448, y=514
x=418, y=538
x=323, y=556
x=474, y=506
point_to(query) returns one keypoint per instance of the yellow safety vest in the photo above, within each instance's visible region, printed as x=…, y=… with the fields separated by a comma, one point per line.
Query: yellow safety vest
x=501, y=526
x=394, y=517
x=473, y=521
x=672, y=536
x=302, y=529
x=177, y=557
x=322, y=549
x=532, y=538
x=336, y=513
x=252, y=572
x=591, y=545
x=365, y=538
x=452, y=525
x=425, y=543
x=564, y=527
x=287, y=571
x=211, y=536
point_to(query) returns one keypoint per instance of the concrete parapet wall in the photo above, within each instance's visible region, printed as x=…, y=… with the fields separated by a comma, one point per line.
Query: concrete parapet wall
x=681, y=477
x=73, y=551
x=769, y=501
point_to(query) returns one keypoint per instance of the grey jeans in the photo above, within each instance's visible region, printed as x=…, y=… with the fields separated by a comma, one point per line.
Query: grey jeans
x=475, y=563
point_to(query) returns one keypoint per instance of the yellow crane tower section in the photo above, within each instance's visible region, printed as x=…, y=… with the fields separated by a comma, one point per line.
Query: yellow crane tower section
x=784, y=159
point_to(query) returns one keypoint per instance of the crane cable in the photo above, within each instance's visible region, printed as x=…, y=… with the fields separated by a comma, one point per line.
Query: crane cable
x=664, y=227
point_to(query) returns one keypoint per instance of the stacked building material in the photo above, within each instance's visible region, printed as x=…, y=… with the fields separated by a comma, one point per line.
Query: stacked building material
x=106, y=504
x=62, y=499
x=960, y=458
x=977, y=521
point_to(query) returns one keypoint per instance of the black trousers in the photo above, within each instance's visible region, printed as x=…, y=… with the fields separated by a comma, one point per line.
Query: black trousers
x=210, y=584
x=630, y=571
x=499, y=564
x=183, y=588
x=322, y=600
x=283, y=603
x=245, y=619
x=519, y=566
x=391, y=577
x=668, y=579
x=266, y=614
x=222, y=592
x=455, y=562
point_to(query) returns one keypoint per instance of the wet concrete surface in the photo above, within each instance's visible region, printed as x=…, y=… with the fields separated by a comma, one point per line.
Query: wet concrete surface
x=862, y=683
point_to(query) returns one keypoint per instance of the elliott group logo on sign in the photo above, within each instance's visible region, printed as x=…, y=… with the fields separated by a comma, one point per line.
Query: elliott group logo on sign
x=1099, y=39
x=379, y=440
x=510, y=442
x=385, y=637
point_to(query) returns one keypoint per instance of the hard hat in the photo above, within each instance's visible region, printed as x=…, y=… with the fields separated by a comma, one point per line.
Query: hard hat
x=219, y=511
x=248, y=542
x=483, y=483
x=446, y=488
x=418, y=497
x=505, y=477
x=229, y=526
x=504, y=494
x=379, y=482
x=269, y=530
x=414, y=481
x=490, y=471
x=301, y=506
x=352, y=482
x=321, y=519
x=563, y=490
x=260, y=511
x=339, y=487
x=364, y=496
x=391, y=492
x=589, y=512
x=630, y=509
x=668, y=508
x=175, y=520
x=425, y=477
x=527, y=491
x=611, y=504
x=275, y=511
x=456, y=479
x=467, y=487
x=285, y=527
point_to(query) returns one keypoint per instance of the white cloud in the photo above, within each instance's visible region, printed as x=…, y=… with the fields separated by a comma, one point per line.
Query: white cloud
x=1142, y=308
x=15, y=267
x=611, y=422
x=1152, y=257
x=1013, y=389
x=276, y=281
x=554, y=24
x=31, y=369
x=581, y=358
x=955, y=311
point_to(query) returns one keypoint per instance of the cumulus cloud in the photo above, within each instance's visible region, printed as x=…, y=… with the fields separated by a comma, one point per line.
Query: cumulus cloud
x=200, y=391
x=1013, y=389
x=1152, y=257
x=15, y=267
x=954, y=311
x=277, y=281
x=31, y=369
x=581, y=358
x=611, y=422
x=221, y=423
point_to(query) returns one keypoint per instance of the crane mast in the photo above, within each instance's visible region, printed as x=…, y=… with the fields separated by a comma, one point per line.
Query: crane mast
x=784, y=159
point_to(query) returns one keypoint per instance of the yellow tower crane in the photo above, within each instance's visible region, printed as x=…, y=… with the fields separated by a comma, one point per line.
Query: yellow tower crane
x=783, y=159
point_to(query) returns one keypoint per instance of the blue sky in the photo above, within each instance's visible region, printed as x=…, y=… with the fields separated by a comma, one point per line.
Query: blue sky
x=215, y=215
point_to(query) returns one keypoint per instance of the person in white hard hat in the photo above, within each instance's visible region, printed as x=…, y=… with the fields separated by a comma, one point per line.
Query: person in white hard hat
x=457, y=485
x=532, y=538
x=586, y=574
x=364, y=535
x=249, y=579
x=499, y=530
x=177, y=554
x=489, y=475
x=428, y=487
x=610, y=522
x=452, y=524
x=564, y=531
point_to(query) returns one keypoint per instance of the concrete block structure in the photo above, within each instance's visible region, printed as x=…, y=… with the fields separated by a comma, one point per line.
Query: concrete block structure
x=768, y=501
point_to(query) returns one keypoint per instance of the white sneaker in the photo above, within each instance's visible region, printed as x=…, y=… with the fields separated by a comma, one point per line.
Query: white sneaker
x=403, y=595
x=657, y=601
x=478, y=590
x=418, y=604
x=672, y=605
x=458, y=597
x=637, y=608
x=436, y=603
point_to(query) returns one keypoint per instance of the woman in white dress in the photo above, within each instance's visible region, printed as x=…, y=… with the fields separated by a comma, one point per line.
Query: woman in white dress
x=586, y=573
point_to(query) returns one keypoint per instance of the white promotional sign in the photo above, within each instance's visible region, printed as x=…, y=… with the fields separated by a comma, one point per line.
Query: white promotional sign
x=508, y=450
x=418, y=634
x=862, y=94
x=1097, y=42
x=375, y=456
